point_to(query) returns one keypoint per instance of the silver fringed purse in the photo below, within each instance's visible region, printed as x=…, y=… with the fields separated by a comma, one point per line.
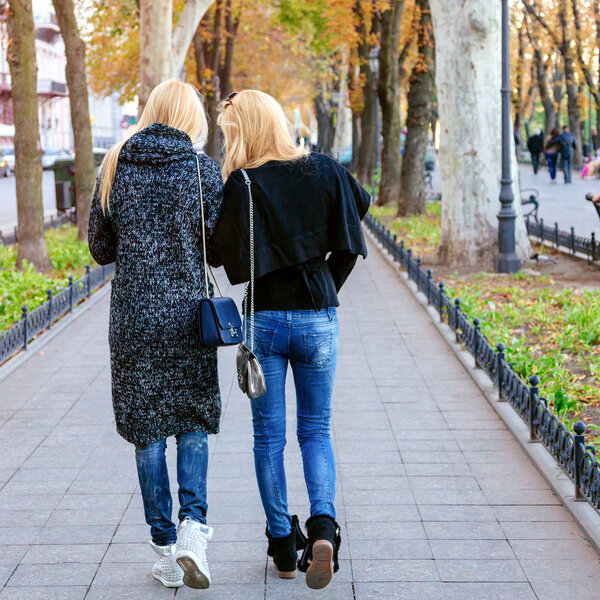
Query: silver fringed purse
x=249, y=372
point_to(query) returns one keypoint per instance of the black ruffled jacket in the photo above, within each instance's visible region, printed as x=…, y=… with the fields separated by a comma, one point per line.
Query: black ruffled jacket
x=304, y=211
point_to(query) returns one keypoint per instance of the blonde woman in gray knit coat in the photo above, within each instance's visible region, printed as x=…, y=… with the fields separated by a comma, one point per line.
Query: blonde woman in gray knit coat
x=146, y=217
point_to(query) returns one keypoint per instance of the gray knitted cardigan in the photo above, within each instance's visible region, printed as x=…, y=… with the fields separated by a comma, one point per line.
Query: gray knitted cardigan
x=163, y=381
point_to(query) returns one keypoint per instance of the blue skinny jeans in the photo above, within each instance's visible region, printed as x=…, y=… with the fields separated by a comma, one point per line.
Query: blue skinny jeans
x=552, y=159
x=308, y=340
x=192, y=466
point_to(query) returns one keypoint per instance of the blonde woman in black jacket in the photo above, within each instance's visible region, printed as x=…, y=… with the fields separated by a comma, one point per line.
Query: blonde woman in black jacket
x=307, y=213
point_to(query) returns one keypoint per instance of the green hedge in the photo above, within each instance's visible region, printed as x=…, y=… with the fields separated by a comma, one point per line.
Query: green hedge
x=27, y=286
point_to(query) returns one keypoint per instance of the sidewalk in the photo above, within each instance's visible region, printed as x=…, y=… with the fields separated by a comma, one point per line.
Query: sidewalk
x=435, y=498
x=561, y=203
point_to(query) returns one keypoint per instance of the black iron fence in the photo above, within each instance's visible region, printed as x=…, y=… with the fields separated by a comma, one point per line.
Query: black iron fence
x=58, y=304
x=568, y=448
x=9, y=237
x=564, y=239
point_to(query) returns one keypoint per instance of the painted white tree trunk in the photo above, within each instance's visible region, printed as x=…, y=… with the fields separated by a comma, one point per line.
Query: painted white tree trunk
x=162, y=47
x=156, y=32
x=184, y=32
x=468, y=78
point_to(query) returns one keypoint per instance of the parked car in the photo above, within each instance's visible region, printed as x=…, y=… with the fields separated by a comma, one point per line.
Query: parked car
x=3, y=166
x=8, y=154
x=49, y=157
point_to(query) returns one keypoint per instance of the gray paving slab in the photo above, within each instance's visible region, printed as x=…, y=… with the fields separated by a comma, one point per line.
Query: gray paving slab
x=435, y=498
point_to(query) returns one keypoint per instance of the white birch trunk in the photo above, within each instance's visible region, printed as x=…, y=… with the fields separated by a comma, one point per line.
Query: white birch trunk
x=468, y=78
x=156, y=33
x=162, y=47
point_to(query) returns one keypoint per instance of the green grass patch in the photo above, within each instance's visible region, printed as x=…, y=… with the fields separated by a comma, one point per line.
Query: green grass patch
x=549, y=329
x=421, y=233
x=28, y=286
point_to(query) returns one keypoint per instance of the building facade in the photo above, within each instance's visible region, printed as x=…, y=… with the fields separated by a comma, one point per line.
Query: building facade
x=53, y=94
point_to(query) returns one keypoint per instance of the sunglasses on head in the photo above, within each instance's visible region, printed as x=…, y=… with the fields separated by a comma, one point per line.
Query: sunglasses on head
x=229, y=98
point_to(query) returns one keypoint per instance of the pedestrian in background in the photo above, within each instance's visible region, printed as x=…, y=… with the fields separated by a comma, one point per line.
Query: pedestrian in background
x=146, y=216
x=535, y=145
x=551, y=152
x=567, y=146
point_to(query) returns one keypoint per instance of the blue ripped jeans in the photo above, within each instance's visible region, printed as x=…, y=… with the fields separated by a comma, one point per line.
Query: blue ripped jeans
x=192, y=466
x=307, y=340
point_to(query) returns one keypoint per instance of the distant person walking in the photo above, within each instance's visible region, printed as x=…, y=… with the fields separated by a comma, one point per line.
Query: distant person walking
x=535, y=145
x=551, y=152
x=567, y=145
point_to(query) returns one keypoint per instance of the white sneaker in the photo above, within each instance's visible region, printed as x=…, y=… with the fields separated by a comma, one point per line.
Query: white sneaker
x=166, y=569
x=192, y=541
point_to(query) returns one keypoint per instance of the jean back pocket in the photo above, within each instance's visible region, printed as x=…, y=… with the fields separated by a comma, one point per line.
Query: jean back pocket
x=317, y=348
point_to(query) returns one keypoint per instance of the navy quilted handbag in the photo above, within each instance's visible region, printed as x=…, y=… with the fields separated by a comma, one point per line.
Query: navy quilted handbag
x=219, y=320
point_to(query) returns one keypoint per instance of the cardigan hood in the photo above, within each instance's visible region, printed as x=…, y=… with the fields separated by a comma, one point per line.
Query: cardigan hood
x=157, y=144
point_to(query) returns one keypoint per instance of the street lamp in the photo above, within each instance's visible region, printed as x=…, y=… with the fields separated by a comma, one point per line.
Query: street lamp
x=508, y=261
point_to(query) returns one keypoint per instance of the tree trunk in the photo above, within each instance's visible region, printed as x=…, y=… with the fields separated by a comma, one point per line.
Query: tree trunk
x=389, y=99
x=184, y=32
x=420, y=98
x=589, y=76
x=85, y=170
x=226, y=69
x=563, y=43
x=572, y=91
x=468, y=81
x=557, y=89
x=212, y=87
x=21, y=57
x=156, y=32
x=367, y=151
x=324, y=121
x=355, y=141
x=343, y=122
x=541, y=77
x=517, y=96
x=162, y=48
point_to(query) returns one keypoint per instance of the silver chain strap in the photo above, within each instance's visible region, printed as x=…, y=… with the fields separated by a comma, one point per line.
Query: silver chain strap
x=251, y=283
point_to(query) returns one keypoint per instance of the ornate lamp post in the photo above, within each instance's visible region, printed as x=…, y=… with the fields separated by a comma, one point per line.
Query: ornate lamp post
x=508, y=261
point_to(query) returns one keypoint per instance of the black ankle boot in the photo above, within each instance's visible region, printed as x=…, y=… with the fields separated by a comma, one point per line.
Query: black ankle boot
x=320, y=557
x=285, y=550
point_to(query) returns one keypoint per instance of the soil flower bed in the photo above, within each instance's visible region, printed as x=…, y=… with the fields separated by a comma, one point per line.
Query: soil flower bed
x=548, y=318
x=29, y=287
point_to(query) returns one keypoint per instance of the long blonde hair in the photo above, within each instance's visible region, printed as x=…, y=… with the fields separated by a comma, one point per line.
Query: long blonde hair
x=255, y=131
x=172, y=103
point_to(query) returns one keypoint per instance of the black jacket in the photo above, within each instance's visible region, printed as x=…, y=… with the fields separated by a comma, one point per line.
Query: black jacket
x=535, y=143
x=303, y=210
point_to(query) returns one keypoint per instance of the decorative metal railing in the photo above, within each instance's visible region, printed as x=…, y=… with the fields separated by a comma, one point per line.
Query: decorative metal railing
x=9, y=238
x=564, y=239
x=568, y=447
x=58, y=304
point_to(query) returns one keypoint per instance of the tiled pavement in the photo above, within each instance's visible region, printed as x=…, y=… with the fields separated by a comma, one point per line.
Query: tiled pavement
x=435, y=498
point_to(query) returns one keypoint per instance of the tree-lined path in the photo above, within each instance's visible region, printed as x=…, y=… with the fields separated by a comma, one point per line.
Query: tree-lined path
x=435, y=498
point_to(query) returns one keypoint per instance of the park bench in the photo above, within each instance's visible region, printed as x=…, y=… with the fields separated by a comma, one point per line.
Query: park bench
x=530, y=203
x=595, y=201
